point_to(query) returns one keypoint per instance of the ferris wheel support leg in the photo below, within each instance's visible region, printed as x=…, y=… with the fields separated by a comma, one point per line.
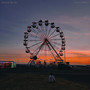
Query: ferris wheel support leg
x=64, y=57
x=51, y=52
x=29, y=61
x=40, y=48
x=54, y=49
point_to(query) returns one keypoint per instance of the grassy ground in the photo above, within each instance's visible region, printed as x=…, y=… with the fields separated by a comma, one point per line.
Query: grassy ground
x=32, y=81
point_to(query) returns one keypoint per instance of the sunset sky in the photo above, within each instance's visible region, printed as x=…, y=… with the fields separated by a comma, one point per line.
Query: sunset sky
x=73, y=16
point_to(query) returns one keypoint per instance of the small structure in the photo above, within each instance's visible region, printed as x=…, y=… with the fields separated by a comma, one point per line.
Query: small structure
x=7, y=64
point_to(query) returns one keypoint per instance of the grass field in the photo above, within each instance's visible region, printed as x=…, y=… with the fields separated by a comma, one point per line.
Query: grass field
x=38, y=80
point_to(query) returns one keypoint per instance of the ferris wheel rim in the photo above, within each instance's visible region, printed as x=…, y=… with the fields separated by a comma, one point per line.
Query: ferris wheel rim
x=41, y=32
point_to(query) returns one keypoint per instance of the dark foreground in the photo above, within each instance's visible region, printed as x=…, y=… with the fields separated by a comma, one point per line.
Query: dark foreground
x=31, y=78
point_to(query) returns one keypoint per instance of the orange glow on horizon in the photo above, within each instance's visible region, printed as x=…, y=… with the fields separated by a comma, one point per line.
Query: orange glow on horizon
x=74, y=57
x=72, y=60
x=78, y=60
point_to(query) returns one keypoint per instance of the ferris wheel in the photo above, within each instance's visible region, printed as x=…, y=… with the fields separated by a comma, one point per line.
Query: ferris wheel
x=43, y=40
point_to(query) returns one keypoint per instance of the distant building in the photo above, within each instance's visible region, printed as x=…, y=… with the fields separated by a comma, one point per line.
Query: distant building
x=7, y=64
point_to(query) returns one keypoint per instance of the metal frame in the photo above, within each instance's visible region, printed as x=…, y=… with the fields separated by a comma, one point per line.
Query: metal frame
x=43, y=34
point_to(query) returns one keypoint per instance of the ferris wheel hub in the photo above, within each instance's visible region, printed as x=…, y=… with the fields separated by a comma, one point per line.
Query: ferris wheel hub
x=45, y=39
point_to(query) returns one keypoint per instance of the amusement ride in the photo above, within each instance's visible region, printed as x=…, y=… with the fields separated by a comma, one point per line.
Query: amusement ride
x=44, y=41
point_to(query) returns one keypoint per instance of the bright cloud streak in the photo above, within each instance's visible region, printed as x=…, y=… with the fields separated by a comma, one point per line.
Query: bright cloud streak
x=84, y=2
x=81, y=23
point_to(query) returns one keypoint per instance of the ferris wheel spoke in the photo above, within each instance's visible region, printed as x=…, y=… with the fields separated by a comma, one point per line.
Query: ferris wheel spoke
x=53, y=55
x=38, y=29
x=42, y=28
x=56, y=39
x=45, y=51
x=35, y=36
x=40, y=48
x=46, y=29
x=34, y=44
x=49, y=31
x=54, y=35
x=35, y=31
x=55, y=46
x=53, y=49
x=37, y=49
x=39, y=35
x=42, y=31
x=51, y=52
x=34, y=40
x=56, y=43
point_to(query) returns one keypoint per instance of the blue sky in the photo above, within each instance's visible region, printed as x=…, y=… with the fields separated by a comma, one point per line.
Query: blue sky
x=73, y=16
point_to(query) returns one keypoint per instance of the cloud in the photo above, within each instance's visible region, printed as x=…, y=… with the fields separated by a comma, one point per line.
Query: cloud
x=78, y=53
x=79, y=22
x=8, y=2
x=76, y=25
x=84, y=2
